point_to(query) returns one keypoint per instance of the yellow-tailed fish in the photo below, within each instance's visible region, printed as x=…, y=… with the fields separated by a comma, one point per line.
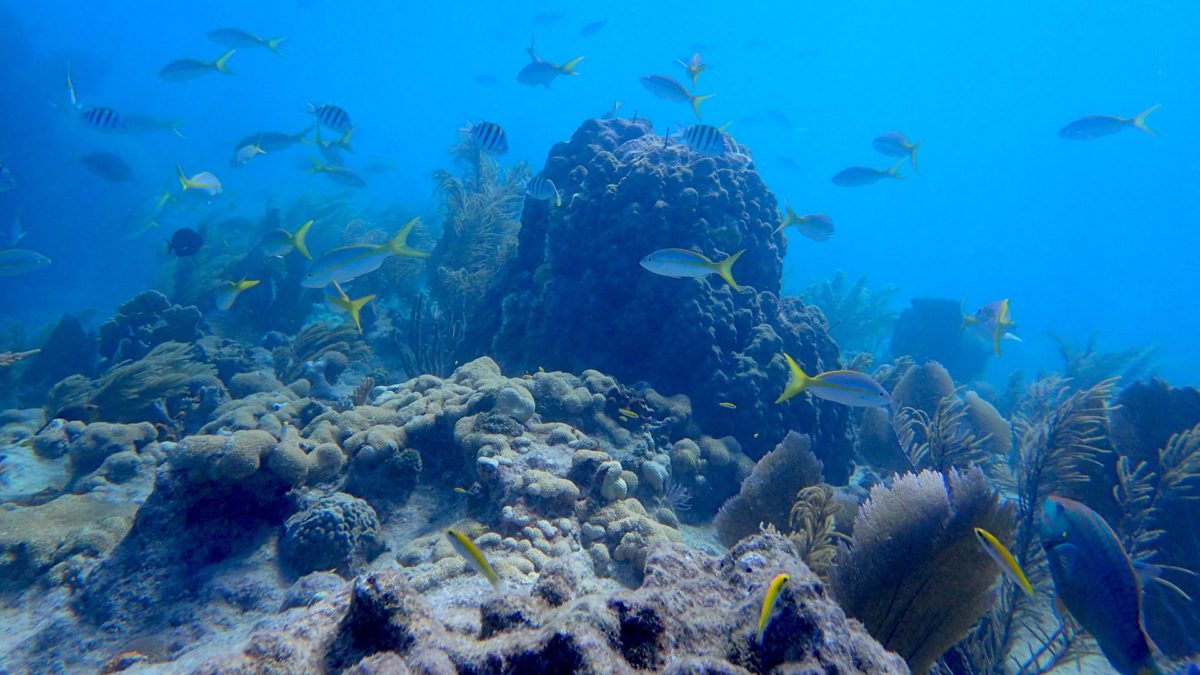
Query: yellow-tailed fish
x=1008, y=564
x=694, y=66
x=848, y=387
x=350, y=262
x=627, y=412
x=474, y=557
x=858, y=176
x=339, y=174
x=246, y=153
x=896, y=144
x=1097, y=126
x=337, y=300
x=234, y=37
x=181, y=70
x=204, y=181
x=679, y=263
x=541, y=72
x=773, y=591
x=727, y=404
x=665, y=86
x=230, y=291
x=280, y=242
x=992, y=322
x=815, y=226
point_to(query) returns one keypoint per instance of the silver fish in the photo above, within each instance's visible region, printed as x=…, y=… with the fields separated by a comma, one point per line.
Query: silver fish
x=17, y=261
x=240, y=39
x=182, y=70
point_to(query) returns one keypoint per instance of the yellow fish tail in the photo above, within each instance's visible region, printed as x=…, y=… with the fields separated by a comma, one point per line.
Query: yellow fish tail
x=273, y=44
x=568, y=68
x=797, y=380
x=697, y=100
x=344, y=141
x=354, y=307
x=912, y=155
x=317, y=166
x=220, y=64
x=183, y=179
x=725, y=269
x=298, y=240
x=1139, y=120
x=894, y=172
x=398, y=244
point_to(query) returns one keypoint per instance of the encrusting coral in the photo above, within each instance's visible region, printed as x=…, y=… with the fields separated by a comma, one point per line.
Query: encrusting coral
x=913, y=572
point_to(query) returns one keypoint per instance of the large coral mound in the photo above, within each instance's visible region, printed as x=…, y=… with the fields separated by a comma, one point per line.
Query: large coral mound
x=575, y=296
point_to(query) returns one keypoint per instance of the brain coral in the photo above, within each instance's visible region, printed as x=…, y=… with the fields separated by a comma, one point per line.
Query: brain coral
x=575, y=296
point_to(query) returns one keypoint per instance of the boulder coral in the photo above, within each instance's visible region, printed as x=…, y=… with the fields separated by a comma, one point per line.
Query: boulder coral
x=628, y=192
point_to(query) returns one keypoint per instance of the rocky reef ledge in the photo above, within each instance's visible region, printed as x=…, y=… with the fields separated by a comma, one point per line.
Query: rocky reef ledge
x=290, y=535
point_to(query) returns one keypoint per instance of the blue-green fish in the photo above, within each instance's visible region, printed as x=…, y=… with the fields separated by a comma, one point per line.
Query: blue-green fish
x=542, y=72
x=679, y=263
x=339, y=174
x=1096, y=581
x=896, y=144
x=240, y=39
x=1097, y=126
x=665, y=86
x=848, y=387
x=858, y=176
x=182, y=70
x=350, y=262
x=815, y=226
x=279, y=242
x=15, y=261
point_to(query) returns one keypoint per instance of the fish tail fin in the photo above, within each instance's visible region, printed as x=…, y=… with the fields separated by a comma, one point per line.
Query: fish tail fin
x=344, y=141
x=530, y=49
x=220, y=63
x=174, y=127
x=568, y=68
x=317, y=166
x=246, y=284
x=398, y=244
x=1139, y=120
x=298, y=240
x=301, y=137
x=557, y=197
x=797, y=380
x=725, y=269
x=912, y=154
x=273, y=44
x=71, y=87
x=697, y=100
x=354, y=307
x=183, y=179
x=894, y=172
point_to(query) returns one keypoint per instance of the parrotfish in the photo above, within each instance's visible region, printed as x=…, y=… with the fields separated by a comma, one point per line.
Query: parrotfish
x=542, y=72
x=679, y=263
x=182, y=70
x=338, y=174
x=350, y=262
x=487, y=136
x=858, y=176
x=204, y=181
x=772, y=596
x=233, y=37
x=992, y=321
x=848, y=387
x=230, y=290
x=474, y=557
x=337, y=300
x=1097, y=126
x=1095, y=580
x=694, y=66
x=540, y=187
x=665, y=86
x=331, y=116
x=895, y=144
x=16, y=261
x=815, y=226
x=1008, y=564
x=280, y=242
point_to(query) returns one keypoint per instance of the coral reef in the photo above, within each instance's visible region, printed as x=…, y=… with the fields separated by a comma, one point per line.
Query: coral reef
x=860, y=319
x=630, y=192
x=332, y=532
x=931, y=330
x=1085, y=365
x=766, y=496
x=144, y=323
x=913, y=572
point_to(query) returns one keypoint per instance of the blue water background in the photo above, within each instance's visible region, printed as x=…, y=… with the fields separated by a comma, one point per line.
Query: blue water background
x=1082, y=236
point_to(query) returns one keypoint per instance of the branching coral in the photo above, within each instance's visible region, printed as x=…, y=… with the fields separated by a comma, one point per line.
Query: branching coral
x=766, y=494
x=814, y=522
x=859, y=318
x=913, y=572
x=1085, y=365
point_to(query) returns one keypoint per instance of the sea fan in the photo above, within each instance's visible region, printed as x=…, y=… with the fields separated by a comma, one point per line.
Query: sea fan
x=766, y=494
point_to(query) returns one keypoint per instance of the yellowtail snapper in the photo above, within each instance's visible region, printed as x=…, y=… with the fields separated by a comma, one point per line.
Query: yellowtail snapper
x=694, y=66
x=541, y=72
x=15, y=261
x=339, y=174
x=540, y=187
x=612, y=112
x=815, y=226
x=664, y=86
x=230, y=290
x=246, y=153
x=474, y=557
x=185, y=242
x=141, y=124
x=337, y=300
x=240, y=39
x=350, y=262
x=273, y=141
x=331, y=116
x=992, y=322
x=1097, y=126
x=204, y=182
x=896, y=144
x=848, y=387
x=106, y=165
x=858, y=176
x=182, y=70
x=679, y=263
x=279, y=242
x=487, y=136
x=331, y=150
x=705, y=139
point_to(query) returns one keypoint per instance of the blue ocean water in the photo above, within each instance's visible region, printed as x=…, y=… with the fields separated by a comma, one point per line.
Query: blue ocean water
x=1082, y=236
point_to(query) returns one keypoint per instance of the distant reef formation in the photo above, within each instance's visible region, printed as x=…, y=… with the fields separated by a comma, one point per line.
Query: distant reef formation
x=575, y=297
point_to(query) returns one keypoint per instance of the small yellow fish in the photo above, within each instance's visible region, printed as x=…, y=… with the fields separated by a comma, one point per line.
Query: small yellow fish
x=474, y=557
x=773, y=592
x=1006, y=561
x=462, y=491
x=727, y=404
x=628, y=413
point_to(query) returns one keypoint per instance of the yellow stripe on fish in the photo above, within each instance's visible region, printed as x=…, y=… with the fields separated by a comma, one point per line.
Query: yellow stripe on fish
x=773, y=591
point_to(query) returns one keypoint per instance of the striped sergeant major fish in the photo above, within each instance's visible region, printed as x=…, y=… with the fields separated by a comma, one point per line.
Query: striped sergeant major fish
x=331, y=116
x=487, y=136
x=540, y=187
x=705, y=139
